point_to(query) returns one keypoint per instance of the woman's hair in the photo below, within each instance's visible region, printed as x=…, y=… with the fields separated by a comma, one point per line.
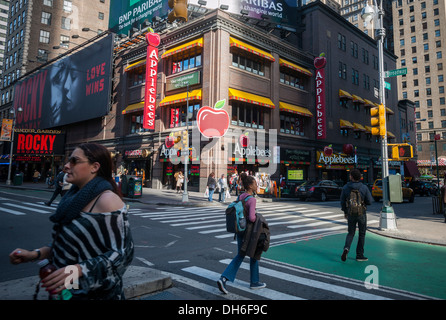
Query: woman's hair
x=98, y=153
x=247, y=181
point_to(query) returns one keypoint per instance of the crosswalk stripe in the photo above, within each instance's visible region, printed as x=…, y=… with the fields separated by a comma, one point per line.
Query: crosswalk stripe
x=299, y=233
x=241, y=285
x=314, y=283
x=21, y=207
x=40, y=205
x=17, y=213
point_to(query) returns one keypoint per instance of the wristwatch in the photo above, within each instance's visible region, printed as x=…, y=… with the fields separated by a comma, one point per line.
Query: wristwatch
x=38, y=254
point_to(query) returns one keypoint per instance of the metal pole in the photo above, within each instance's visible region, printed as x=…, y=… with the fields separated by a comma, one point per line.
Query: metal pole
x=8, y=182
x=185, y=197
x=387, y=218
x=436, y=159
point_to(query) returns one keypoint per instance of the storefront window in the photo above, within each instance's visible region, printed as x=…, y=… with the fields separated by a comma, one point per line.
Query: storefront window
x=136, y=124
x=185, y=62
x=246, y=115
x=137, y=76
x=178, y=115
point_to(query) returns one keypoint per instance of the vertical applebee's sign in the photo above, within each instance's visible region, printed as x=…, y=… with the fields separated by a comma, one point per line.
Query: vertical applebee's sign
x=153, y=41
x=320, y=63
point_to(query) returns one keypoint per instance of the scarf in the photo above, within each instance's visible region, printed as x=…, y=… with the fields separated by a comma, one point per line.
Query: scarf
x=76, y=199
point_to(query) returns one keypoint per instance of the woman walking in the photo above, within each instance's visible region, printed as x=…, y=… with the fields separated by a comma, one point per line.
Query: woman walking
x=212, y=183
x=91, y=232
x=250, y=186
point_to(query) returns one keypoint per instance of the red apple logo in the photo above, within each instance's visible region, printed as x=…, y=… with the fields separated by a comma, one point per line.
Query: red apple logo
x=153, y=38
x=170, y=141
x=244, y=140
x=320, y=61
x=213, y=122
x=347, y=148
x=328, y=151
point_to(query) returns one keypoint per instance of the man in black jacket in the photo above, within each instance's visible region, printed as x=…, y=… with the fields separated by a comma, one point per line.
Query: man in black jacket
x=58, y=190
x=353, y=220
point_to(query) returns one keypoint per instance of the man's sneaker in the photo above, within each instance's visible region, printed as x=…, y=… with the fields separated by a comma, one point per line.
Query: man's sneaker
x=257, y=285
x=344, y=255
x=222, y=285
x=361, y=258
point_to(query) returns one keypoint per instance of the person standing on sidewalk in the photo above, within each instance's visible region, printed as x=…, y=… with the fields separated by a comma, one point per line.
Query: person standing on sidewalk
x=353, y=220
x=91, y=233
x=212, y=184
x=223, y=184
x=250, y=186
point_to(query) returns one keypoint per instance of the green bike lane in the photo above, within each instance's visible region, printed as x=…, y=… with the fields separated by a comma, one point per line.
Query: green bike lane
x=405, y=265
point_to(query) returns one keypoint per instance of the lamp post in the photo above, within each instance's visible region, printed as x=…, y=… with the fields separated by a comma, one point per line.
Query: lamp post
x=12, y=112
x=185, y=197
x=387, y=219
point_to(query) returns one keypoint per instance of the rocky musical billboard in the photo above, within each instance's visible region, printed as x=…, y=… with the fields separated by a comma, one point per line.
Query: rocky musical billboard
x=38, y=142
x=72, y=89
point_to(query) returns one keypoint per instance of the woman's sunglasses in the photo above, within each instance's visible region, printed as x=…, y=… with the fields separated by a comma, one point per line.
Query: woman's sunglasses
x=74, y=161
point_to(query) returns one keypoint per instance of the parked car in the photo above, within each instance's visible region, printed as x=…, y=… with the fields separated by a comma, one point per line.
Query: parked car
x=322, y=190
x=423, y=188
x=377, y=192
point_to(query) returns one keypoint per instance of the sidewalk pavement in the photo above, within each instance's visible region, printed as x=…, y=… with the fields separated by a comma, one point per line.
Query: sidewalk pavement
x=416, y=226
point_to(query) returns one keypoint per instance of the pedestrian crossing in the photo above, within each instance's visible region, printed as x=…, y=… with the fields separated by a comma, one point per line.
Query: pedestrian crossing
x=287, y=222
x=23, y=208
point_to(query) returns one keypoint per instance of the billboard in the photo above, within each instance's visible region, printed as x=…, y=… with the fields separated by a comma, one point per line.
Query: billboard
x=75, y=88
x=278, y=11
x=125, y=14
x=38, y=142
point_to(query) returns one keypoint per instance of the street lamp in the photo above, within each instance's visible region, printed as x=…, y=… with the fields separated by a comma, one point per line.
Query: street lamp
x=387, y=219
x=185, y=197
x=12, y=112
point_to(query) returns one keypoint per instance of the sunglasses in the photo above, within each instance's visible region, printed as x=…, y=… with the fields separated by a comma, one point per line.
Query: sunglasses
x=74, y=161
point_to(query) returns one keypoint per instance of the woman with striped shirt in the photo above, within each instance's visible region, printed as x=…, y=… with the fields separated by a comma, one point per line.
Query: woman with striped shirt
x=91, y=233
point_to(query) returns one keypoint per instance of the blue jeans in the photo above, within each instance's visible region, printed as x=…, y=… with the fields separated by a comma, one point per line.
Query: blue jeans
x=211, y=193
x=222, y=195
x=231, y=270
x=361, y=221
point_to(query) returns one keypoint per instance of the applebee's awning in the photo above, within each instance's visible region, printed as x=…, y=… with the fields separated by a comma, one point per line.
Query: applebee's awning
x=345, y=94
x=183, y=47
x=244, y=46
x=135, y=65
x=181, y=97
x=368, y=103
x=344, y=124
x=134, y=108
x=358, y=127
x=285, y=63
x=357, y=99
x=295, y=109
x=250, y=98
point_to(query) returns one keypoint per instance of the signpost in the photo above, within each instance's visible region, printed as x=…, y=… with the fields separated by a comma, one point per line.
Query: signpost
x=395, y=72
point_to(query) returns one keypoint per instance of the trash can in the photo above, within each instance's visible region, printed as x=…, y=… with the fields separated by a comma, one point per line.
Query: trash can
x=134, y=187
x=18, y=180
x=123, y=185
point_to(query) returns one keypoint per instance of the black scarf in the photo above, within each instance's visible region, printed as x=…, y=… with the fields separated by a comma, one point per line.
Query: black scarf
x=75, y=200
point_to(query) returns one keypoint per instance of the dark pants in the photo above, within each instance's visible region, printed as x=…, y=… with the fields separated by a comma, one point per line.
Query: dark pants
x=56, y=192
x=361, y=221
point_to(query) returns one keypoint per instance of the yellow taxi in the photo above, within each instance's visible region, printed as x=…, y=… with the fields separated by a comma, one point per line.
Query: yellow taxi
x=377, y=191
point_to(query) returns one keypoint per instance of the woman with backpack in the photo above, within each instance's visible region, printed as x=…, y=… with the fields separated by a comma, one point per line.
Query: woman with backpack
x=250, y=186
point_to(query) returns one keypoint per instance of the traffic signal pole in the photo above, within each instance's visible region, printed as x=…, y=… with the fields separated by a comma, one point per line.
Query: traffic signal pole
x=387, y=218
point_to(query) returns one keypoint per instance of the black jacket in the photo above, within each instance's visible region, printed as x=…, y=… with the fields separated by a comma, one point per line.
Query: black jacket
x=363, y=190
x=256, y=238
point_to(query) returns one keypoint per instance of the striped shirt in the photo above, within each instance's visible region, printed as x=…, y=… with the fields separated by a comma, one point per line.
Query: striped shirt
x=101, y=243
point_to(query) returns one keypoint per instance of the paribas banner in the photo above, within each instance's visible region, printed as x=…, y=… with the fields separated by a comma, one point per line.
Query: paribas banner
x=279, y=11
x=125, y=14
x=72, y=89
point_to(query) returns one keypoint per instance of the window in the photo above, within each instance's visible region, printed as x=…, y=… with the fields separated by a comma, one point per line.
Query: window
x=137, y=76
x=64, y=41
x=294, y=79
x=66, y=23
x=247, y=115
x=248, y=63
x=46, y=18
x=101, y=16
x=355, y=76
x=67, y=5
x=178, y=115
x=48, y=3
x=354, y=49
x=292, y=124
x=184, y=62
x=136, y=124
x=44, y=36
x=341, y=42
x=342, y=73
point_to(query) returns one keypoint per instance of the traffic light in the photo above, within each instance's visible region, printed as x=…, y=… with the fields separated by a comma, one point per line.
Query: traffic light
x=378, y=120
x=179, y=11
x=400, y=152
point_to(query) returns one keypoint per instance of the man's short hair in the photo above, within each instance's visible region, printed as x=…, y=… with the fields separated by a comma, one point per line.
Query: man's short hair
x=355, y=174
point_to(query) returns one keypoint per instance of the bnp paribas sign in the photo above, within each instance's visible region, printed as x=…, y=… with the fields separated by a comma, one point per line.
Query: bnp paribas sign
x=126, y=14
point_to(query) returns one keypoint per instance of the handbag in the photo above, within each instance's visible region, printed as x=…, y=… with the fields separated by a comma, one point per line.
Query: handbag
x=206, y=193
x=227, y=195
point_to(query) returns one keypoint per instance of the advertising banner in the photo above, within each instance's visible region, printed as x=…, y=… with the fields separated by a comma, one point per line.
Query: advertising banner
x=75, y=88
x=6, y=130
x=321, y=130
x=125, y=14
x=38, y=142
x=279, y=11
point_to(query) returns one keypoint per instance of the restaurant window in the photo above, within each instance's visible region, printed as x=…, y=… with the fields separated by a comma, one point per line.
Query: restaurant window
x=246, y=115
x=177, y=115
x=137, y=75
x=182, y=62
x=136, y=123
x=290, y=78
x=250, y=64
x=292, y=124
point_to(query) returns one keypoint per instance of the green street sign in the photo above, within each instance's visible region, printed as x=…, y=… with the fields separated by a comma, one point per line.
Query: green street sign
x=387, y=85
x=395, y=72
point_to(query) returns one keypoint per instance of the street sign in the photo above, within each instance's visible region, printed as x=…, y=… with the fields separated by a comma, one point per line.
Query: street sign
x=395, y=72
x=387, y=85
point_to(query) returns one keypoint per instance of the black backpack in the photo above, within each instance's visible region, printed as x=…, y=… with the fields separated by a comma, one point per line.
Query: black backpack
x=355, y=204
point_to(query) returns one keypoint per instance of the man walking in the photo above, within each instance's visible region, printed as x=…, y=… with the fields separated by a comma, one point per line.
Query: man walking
x=58, y=190
x=355, y=197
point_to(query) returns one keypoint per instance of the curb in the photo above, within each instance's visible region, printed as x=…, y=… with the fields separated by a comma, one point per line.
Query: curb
x=137, y=281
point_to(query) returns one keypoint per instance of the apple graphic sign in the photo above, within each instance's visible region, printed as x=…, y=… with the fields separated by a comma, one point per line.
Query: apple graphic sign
x=213, y=122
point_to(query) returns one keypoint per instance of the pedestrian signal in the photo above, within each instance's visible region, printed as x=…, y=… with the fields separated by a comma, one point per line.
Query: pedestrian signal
x=378, y=120
x=400, y=152
x=179, y=11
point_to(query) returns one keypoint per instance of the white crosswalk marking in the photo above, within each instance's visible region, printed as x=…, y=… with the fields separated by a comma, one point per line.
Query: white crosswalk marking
x=21, y=207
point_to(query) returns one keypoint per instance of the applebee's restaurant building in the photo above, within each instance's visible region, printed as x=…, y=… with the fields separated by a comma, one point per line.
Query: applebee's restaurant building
x=267, y=84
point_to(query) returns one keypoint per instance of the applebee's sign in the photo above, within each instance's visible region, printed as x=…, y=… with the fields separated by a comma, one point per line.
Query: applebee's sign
x=320, y=63
x=153, y=41
x=213, y=122
x=334, y=158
